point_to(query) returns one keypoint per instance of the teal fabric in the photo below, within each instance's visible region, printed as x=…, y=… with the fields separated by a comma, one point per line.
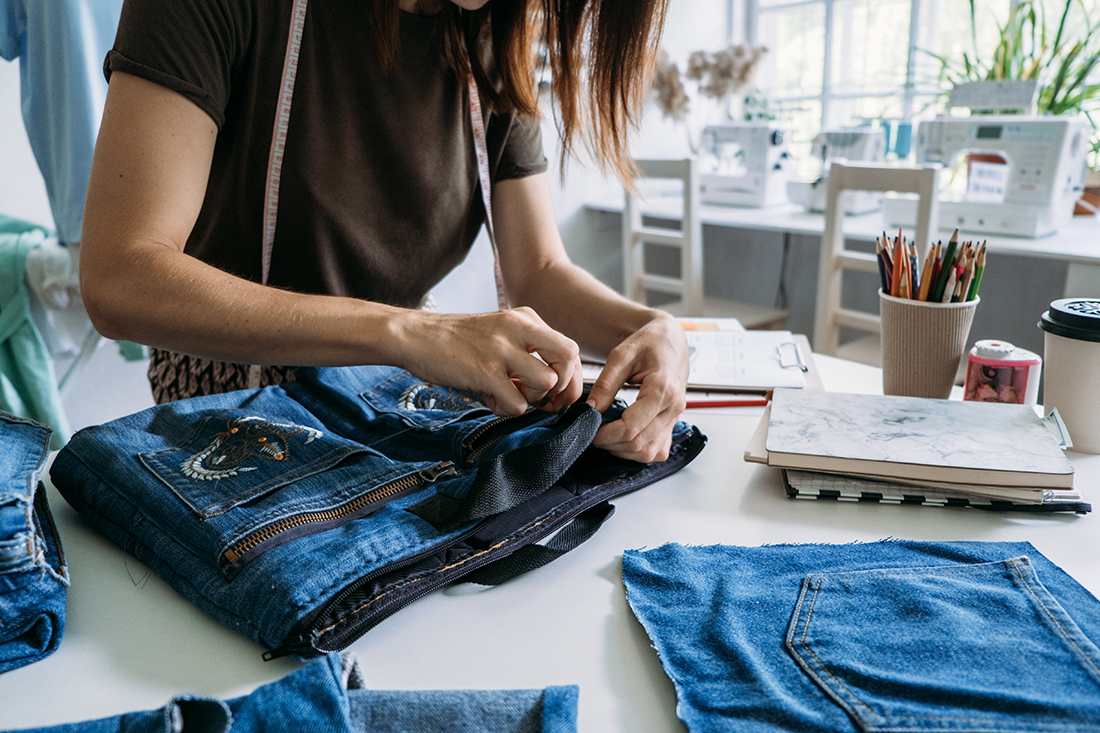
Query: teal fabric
x=28, y=386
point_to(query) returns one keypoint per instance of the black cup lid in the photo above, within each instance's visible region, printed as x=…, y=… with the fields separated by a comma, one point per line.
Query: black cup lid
x=1075, y=318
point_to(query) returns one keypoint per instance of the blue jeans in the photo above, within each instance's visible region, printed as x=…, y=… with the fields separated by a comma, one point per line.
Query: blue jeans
x=33, y=573
x=888, y=636
x=327, y=695
x=303, y=514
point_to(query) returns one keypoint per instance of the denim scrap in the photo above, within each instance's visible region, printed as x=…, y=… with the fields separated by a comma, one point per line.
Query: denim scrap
x=887, y=636
x=327, y=696
x=33, y=573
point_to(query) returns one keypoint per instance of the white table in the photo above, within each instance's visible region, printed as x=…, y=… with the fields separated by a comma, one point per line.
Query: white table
x=132, y=643
x=1076, y=243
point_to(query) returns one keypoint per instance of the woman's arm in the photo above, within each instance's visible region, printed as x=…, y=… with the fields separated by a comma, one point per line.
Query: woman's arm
x=148, y=180
x=642, y=346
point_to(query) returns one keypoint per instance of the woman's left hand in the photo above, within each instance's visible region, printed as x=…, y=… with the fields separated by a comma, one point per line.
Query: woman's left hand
x=656, y=359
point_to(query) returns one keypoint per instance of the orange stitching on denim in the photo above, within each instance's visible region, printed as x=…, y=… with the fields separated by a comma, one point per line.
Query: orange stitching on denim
x=838, y=683
x=1013, y=564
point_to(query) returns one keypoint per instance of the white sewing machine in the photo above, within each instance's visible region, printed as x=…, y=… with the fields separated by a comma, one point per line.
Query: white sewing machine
x=744, y=164
x=1030, y=194
x=855, y=144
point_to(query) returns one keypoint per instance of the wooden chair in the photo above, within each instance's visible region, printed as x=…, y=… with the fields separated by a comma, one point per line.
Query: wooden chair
x=688, y=287
x=829, y=316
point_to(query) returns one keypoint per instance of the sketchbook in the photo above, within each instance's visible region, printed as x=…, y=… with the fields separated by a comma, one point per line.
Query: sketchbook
x=835, y=487
x=911, y=439
x=726, y=359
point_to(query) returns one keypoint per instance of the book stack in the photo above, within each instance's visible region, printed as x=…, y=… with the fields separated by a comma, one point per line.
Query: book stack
x=908, y=450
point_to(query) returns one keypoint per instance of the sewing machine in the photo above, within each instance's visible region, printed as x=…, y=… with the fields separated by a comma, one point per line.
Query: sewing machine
x=744, y=164
x=1016, y=174
x=855, y=144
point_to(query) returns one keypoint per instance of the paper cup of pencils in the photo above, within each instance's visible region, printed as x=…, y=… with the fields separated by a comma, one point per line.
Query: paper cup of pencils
x=926, y=316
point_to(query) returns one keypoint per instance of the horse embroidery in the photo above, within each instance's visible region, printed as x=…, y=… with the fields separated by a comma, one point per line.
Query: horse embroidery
x=244, y=438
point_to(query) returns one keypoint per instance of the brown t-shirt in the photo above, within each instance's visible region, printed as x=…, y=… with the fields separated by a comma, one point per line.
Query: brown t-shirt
x=378, y=196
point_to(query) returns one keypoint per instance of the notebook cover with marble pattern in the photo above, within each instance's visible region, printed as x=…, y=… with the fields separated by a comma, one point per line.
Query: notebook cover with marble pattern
x=914, y=438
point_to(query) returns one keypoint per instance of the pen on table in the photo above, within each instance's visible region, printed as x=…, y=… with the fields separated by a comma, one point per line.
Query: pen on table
x=755, y=402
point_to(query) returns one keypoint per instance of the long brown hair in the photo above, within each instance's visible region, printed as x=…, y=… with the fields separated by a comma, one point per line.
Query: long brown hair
x=600, y=54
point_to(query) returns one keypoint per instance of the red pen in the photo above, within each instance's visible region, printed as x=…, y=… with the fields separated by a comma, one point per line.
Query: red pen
x=758, y=402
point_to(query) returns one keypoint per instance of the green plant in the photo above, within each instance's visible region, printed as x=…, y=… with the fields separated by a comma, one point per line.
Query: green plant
x=1061, y=58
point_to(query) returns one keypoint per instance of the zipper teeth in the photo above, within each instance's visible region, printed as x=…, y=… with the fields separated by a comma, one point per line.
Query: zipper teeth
x=307, y=639
x=262, y=535
x=491, y=425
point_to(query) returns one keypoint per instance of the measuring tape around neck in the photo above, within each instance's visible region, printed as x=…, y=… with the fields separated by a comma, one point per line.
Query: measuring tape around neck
x=278, y=147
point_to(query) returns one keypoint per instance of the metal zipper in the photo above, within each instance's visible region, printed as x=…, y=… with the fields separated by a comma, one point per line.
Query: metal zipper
x=250, y=542
x=474, y=437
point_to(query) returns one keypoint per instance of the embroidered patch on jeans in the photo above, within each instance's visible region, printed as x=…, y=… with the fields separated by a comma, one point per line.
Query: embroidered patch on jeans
x=244, y=438
x=432, y=397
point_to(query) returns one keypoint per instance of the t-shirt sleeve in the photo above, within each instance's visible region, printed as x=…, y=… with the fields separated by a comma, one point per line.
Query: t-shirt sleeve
x=522, y=154
x=188, y=46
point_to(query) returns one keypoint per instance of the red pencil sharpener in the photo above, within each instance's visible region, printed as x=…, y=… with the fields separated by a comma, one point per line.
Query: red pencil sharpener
x=997, y=371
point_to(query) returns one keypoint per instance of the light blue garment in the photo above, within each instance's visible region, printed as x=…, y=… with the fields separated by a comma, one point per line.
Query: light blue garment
x=61, y=45
x=33, y=573
x=886, y=637
x=327, y=696
x=28, y=386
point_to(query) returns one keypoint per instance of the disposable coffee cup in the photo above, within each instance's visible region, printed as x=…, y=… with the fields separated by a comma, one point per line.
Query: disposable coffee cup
x=922, y=345
x=1071, y=352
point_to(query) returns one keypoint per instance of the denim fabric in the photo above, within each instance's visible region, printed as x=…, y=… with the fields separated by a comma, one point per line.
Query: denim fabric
x=327, y=696
x=888, y=636
x=187, y=486
x=33, y=573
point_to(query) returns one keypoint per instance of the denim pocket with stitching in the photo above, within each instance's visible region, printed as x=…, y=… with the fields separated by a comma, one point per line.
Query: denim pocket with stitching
x=234, y=457
x=956, y=648
x=420, y=405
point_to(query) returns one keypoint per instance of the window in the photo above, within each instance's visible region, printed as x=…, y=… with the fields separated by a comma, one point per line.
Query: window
x=835, y=63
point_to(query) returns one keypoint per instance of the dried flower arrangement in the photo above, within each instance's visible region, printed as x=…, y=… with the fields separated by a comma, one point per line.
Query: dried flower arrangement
x=717, y=75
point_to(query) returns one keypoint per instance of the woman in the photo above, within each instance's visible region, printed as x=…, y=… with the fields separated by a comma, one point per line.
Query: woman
x=375, y=197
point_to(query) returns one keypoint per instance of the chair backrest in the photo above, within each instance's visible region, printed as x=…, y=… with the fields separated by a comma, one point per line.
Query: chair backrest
x=636, y=280
x=829, y=317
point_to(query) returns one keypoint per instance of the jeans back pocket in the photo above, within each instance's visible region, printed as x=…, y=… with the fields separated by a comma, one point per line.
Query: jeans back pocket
x=968, y=647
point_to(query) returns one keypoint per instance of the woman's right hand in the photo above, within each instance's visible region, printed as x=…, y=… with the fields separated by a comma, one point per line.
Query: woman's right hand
x=512, y=358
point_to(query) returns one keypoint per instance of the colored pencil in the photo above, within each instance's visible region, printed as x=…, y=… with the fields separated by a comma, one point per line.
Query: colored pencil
x=949, y=287
x=948, y=260
x=926, y=273
x=979, y=268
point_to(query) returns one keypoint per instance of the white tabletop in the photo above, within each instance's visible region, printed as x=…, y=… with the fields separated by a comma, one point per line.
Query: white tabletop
x=1077, y=241
x=131, y=643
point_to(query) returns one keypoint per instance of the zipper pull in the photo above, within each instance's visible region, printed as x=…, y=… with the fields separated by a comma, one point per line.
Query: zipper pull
x=443, y=470
x=300, y=645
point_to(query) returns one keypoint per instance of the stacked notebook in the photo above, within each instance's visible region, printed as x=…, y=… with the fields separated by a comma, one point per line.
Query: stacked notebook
x=908, y=450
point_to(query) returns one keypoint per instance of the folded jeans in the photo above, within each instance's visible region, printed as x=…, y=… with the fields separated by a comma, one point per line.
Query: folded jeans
x=33, y=573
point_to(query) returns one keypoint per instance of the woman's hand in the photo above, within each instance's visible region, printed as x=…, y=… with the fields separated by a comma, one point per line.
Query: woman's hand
x=512, y=358
x=656, y=359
